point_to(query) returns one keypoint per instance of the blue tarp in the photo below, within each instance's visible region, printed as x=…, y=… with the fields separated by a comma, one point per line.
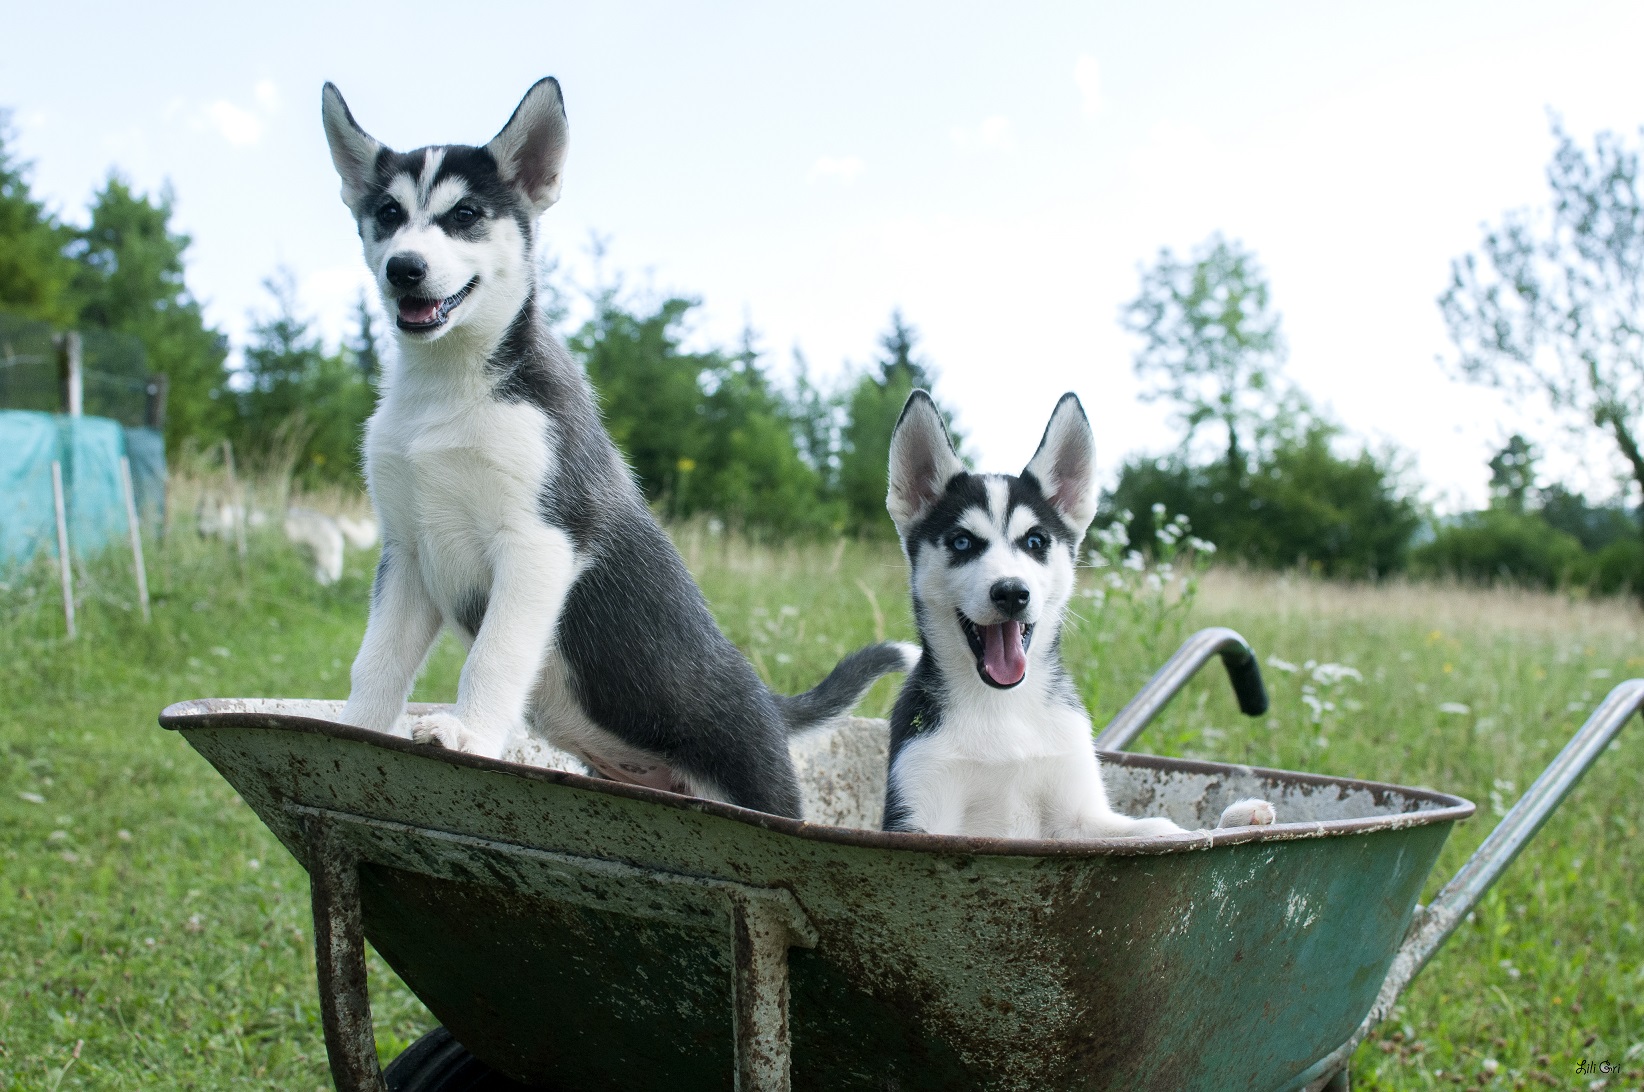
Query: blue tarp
x=89, y=449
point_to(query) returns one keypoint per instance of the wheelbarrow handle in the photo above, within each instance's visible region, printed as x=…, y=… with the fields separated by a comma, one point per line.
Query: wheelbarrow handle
x=1242, y=670
x=1431, y=927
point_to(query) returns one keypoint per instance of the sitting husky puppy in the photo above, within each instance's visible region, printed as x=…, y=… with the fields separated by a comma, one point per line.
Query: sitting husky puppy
x=989, y=737
x=508, y=515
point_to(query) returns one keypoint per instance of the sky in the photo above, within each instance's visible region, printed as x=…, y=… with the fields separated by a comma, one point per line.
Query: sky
x=1000, y=174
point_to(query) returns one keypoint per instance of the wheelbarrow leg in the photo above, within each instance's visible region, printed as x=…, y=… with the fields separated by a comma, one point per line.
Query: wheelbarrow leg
x=761, y=935
x=339, y=957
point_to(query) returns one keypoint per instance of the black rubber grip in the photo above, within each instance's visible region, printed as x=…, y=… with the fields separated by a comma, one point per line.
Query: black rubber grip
x=1246, y=676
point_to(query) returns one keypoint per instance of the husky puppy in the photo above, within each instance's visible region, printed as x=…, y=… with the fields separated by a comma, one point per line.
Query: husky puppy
x=989, y=737
x=509, y=516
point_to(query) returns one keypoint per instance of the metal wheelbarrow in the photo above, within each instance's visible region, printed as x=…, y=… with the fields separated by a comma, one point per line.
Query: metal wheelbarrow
x=573, y=933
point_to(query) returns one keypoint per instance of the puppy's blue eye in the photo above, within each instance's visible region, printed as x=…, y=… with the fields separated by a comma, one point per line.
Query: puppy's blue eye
x=960, y=542
x=463, y=214
x=390, y=213
x=1034, y=541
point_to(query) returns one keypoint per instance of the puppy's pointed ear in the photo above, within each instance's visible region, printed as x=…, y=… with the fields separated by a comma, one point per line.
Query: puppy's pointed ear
x=353, y=150
x=530, y=150
x=922, y=461
x=1065, y=464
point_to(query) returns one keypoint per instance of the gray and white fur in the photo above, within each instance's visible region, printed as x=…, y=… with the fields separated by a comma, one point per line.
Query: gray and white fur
x=989, y=737
x=508, y=515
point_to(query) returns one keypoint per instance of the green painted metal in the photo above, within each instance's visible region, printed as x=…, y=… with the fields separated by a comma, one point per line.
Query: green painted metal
x=583, y=934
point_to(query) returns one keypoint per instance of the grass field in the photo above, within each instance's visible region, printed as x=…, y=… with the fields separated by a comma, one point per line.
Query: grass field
x=155, y=935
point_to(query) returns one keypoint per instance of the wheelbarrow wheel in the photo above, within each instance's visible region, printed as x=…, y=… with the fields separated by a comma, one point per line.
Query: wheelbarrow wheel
x=438, y=1063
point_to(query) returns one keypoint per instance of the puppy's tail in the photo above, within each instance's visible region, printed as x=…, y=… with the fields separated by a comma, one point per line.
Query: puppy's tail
x=845, y=684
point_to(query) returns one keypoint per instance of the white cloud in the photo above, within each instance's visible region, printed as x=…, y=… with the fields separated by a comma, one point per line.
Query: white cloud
x=267, y=95
x=844, y=168
x=239, y=127
x=1087, y=75
x=993, y=133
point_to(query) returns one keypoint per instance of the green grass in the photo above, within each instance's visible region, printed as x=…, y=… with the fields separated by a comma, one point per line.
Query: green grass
x=156, y=935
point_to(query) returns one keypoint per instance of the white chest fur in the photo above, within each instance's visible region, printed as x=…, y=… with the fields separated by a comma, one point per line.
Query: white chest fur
x=1003, y=764
x=457, y=476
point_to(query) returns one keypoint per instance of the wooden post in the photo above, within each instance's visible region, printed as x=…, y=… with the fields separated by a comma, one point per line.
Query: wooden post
x=136, y=537
x=236, y=500
x=154, y=409
x=63, y=545
x=70, y=374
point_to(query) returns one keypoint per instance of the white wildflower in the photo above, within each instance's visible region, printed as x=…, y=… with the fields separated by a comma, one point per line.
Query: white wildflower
x=1331, y=674
x=1154, y=584
x=31, y=798
x=1158, y=511
x=1313, y=703
x=1576, y=707
x=1455, y=707
x=1135, y=562
x=1599, y=673
x=1098, y=560
x=789, y=611
x=1202, y=545
x=1282, y=665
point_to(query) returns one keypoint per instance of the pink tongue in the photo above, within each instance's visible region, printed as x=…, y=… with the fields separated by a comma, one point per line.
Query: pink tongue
x=1003, y=657
x=417, y=312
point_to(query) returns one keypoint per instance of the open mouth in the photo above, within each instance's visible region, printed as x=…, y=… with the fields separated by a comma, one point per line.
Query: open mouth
x=1001, y=650
x=419, y=315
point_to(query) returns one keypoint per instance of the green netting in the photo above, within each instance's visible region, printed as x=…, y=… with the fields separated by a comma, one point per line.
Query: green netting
x=114, y=371
x=28, y=444
x=89, y=449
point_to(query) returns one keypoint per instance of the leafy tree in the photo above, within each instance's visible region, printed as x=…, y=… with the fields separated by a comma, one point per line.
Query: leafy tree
x=1595, y=526
x=1553, y=305
x=1513, y=474
x=1299, y=503
x=363, y=345
x=872, y=407
x=814, y=413
x=129, y=277
x=648, y=390
x=295, y=401
x=749, y=465
x=704, y=432
x=1501, y=544
x=35, y=276
x=1210, y=343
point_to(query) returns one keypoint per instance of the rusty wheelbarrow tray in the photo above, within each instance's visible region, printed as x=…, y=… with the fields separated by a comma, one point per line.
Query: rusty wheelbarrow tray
x=576, y=933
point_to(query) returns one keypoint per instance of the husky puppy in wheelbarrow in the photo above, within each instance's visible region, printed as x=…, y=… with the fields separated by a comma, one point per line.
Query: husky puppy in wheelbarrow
x=509, y=516
x=989, y=737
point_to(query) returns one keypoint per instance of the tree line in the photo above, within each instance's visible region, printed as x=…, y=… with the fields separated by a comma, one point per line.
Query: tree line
x=1548, y=309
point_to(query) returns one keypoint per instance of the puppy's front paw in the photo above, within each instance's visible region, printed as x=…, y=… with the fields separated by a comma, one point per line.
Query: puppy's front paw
x=443, y=730
x=1248, y=813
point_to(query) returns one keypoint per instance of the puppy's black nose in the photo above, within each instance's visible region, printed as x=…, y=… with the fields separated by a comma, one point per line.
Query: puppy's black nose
x=1010, y=596
x=406, y=270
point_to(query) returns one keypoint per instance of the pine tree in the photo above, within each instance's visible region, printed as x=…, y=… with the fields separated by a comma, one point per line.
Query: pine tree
x=35, y=276
x=129, y=277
